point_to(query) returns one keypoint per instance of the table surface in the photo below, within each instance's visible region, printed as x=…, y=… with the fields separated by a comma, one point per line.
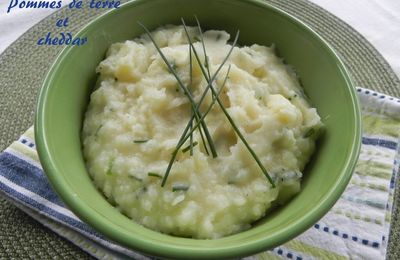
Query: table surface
x=378, y=21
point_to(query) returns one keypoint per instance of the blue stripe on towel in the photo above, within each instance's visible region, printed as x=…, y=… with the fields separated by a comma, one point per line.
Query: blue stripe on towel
x=78, y=225
x=380, y=142
x=286, y=253
x=33, y=179
x=27, y=143
x=341, y=234
x=28, y=176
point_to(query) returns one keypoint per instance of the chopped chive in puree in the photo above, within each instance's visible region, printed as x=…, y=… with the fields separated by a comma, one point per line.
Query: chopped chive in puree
x=174, y=66
x=97, y=130
x=140, y=141
x=135, y=178
x=187, y=148
x=110, y=165
x=292, y=97
x=309, y=133
x=180, y=187
x=153, y=174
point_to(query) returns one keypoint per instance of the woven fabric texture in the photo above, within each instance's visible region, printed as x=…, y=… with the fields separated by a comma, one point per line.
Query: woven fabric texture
x=23, y=66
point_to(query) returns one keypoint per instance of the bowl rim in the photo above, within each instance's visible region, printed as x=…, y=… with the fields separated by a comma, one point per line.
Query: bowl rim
x=101, y=224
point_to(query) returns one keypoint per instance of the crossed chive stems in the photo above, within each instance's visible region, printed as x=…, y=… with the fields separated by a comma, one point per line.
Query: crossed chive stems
x=197, y=118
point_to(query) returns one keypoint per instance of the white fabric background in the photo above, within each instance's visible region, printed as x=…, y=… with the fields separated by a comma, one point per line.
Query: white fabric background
x=376, y=20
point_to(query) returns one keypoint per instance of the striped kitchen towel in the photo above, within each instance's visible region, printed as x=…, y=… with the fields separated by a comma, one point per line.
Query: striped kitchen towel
x=357, y=227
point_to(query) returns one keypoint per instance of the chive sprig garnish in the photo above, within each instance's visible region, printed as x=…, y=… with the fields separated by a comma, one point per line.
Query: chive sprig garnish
x=185, y=136
x=196, y=114
x=235, y=128
x=174, y=154
x=208, y=109
x=196, y=111
x=206, y=59
x=190, y=85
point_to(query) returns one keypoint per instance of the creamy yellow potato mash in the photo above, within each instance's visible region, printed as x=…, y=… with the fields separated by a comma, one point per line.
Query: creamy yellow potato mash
x=137, y=114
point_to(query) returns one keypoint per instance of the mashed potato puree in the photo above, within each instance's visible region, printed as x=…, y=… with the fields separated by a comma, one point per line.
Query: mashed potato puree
x=137, y=114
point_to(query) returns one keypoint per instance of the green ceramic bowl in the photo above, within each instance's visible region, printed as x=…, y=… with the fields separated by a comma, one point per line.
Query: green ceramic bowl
x=65, y=95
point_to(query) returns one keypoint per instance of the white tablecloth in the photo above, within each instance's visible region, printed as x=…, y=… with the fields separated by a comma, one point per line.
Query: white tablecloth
x=377, y=20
